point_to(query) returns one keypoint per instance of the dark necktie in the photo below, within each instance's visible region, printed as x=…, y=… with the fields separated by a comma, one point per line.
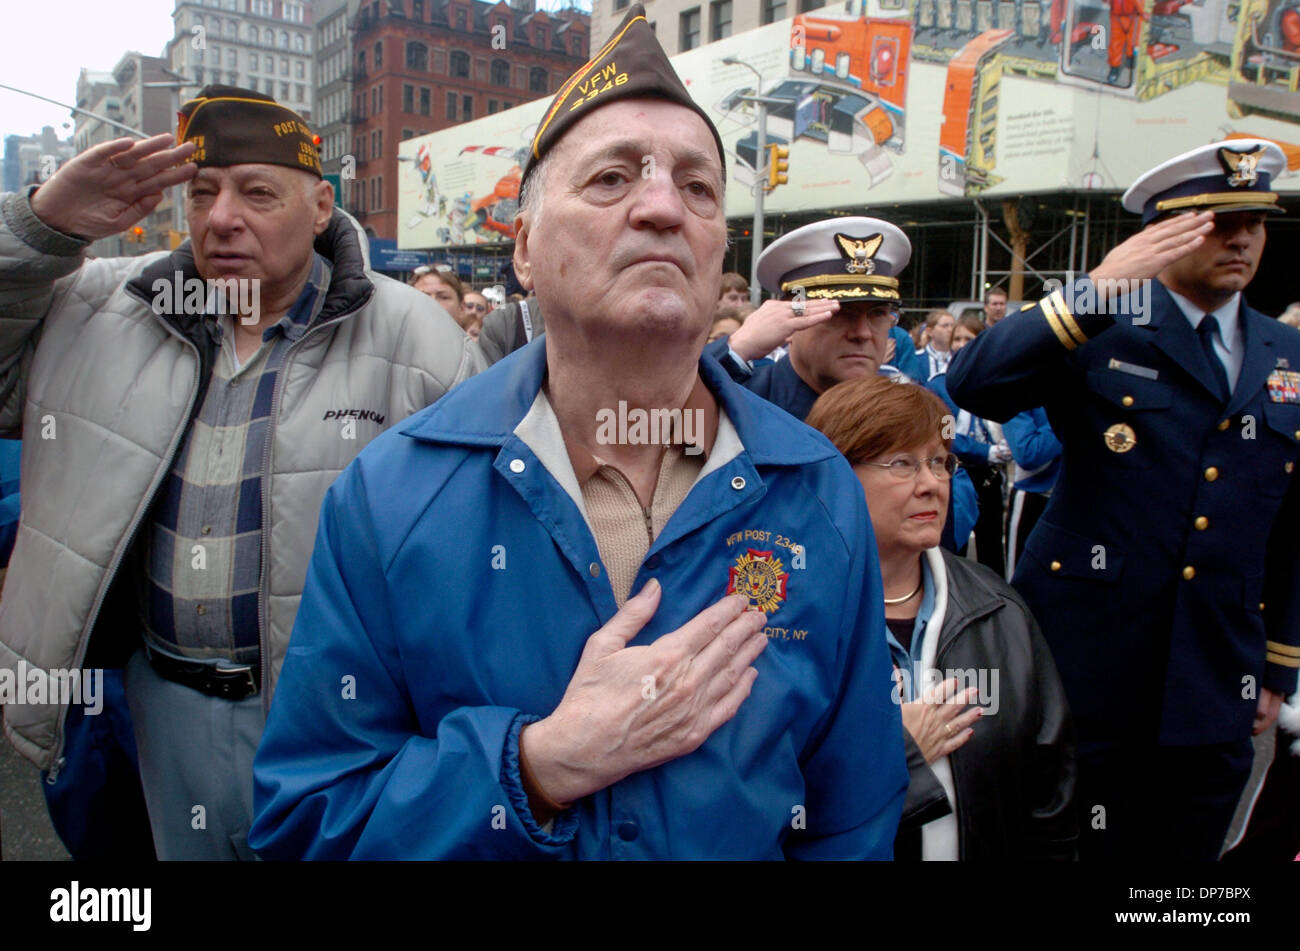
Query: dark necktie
x=1206, y=330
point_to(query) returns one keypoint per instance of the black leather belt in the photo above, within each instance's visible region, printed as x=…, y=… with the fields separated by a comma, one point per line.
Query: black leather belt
x=228, y=683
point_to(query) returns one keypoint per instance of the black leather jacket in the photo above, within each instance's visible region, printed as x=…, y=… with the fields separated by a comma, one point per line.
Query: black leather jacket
x=1014, y=779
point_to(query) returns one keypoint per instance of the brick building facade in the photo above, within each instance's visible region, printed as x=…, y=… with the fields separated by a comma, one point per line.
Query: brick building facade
x=423, y=65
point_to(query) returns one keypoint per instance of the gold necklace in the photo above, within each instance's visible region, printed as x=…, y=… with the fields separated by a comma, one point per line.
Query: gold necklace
x=915, y=592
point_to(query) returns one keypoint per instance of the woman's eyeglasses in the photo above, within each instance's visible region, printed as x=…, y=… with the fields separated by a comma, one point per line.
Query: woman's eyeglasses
x=943, y=467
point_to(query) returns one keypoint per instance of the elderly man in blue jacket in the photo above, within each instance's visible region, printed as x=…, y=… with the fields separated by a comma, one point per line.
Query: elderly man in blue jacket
x=536, y=626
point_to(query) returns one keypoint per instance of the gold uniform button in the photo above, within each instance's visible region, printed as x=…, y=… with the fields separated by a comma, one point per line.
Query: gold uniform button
x=1127, y=401
x=1297, y=434
x=1056, y=566
x=1288, y=466
x=1189, y=572
x=1224, y=424
x=1201, y=523
x=1211, y=474
x=1261, y=605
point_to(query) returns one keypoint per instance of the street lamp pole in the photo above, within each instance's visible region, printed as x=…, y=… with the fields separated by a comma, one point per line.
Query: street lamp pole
x=756, y=292
x=176, y=85
x=76, y=109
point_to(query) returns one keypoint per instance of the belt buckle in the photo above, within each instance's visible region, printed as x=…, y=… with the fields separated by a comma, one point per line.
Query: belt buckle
x=230, y=686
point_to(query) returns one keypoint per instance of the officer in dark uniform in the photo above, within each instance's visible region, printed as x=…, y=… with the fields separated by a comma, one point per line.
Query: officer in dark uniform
x=855, y=262
x=1165, y=568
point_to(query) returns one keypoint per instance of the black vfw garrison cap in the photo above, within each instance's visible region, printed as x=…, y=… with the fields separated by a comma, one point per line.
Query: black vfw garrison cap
x=234, y=126
x=631, y=64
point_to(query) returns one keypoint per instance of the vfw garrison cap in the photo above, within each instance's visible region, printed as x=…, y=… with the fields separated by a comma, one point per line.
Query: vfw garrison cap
x=1235, y=175
x=234, y=126
x=849, y=258
x=631, y=64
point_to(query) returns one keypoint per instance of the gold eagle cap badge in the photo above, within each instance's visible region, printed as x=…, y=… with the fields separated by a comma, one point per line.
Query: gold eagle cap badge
x=859, y=252
x=1242, y=167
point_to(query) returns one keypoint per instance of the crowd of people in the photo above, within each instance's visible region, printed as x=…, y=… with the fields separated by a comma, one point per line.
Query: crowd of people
x=635, y=565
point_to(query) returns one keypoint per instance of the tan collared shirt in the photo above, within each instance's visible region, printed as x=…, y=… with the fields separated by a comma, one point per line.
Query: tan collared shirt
x=624, y=529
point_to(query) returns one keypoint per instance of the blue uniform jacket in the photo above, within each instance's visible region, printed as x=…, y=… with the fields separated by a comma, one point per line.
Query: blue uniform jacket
x=452, y=589
x=905, y=358
x=1165, y=569
x=779, y=383
x=1035, y=449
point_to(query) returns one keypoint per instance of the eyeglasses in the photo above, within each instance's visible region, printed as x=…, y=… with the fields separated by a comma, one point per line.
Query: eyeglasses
x=904, y=467
x=877, y=315
x=424, y=269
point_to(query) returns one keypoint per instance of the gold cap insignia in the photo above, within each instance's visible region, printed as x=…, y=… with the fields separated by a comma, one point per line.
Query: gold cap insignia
x=1242, y=167
x=1120, y=438
x=761, y=578
x=859, y=252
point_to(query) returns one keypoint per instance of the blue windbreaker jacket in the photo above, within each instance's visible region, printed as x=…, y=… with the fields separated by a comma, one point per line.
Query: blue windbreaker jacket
x=453, y=586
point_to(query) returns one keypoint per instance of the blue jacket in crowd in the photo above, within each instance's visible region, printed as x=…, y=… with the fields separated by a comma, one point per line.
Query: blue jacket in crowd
x=905, y=358
x=453, y=587
x=1035, y=449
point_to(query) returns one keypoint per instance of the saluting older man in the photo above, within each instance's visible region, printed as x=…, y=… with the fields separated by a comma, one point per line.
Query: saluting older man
x=184, y=414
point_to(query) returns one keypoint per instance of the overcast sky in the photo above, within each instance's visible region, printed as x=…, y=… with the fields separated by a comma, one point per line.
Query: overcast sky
x=47, y=42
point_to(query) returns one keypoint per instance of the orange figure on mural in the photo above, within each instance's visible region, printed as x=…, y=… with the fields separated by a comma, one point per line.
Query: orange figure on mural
x=1126, y=18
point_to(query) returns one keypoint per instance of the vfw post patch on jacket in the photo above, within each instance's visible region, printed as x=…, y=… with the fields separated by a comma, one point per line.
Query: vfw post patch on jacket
x=760, y=577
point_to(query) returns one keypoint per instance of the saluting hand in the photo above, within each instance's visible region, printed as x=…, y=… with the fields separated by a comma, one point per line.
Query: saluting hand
x=1154, y=248
x=108, y=188
x=632, y=708
x=771, y=325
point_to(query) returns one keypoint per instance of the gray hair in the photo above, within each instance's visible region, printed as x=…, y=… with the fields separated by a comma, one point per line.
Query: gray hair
x=530, y=192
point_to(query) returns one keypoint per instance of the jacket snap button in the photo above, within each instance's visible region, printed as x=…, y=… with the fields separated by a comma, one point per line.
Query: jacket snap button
x=628, y=831
x=594, y=568
x=738, y=483
x=516, y=465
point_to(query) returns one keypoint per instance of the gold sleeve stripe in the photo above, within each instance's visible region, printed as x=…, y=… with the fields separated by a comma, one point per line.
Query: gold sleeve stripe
x=1067, y=318
x=1281, y=660
x=1049, y=314
x=1279, y=648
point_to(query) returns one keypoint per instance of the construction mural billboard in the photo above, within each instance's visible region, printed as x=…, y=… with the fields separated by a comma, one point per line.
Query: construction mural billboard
x=919, y=100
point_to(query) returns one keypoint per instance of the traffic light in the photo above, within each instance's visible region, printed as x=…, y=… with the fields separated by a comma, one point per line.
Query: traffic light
x=778, y=163
x=135, y=235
